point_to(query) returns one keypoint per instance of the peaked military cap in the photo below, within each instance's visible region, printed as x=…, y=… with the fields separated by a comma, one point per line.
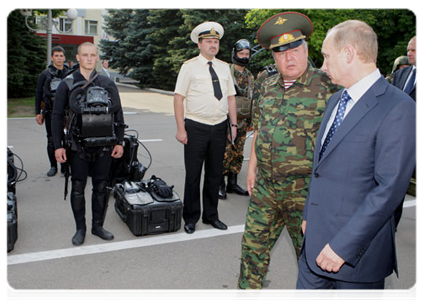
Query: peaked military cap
x=284, y=31
x=207, y=30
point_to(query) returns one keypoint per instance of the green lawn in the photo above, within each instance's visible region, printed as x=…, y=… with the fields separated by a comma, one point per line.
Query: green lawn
x=21, y=107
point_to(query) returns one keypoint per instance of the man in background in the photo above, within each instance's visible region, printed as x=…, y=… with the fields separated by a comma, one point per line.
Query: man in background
x=48, y=81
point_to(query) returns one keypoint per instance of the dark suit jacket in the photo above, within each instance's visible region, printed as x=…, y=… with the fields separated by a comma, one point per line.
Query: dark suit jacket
x=400, y=78
x=359, y=182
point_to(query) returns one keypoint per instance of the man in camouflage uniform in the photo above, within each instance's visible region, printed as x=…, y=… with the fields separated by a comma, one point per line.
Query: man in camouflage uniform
x=244, y=85
x=291, y=105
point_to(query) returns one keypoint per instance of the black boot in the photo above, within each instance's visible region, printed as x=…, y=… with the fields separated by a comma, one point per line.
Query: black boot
x=222, y=191
x=78, y=209
x=100, y=199
x=79, y=237
x=52, y=172
x=51, y=157
x=233, y=186
x=98, y=230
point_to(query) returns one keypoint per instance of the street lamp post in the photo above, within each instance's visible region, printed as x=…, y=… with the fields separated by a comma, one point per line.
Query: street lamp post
x=72, y=14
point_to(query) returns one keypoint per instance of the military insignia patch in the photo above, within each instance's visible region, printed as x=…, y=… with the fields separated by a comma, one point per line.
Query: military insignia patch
x=286, y=38
x=280, y=21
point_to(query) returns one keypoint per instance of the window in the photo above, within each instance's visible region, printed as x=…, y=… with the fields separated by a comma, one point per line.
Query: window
x=65, y=25
x=90, y=27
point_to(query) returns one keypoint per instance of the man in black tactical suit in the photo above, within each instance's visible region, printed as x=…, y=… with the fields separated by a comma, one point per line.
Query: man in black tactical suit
x=44, y=96
x=88, y=155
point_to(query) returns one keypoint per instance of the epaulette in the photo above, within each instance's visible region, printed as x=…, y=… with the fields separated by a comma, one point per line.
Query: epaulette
x=191, y=60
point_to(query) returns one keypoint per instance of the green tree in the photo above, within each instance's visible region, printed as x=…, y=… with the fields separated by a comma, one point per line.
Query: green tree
x=131, y=53
x=26, y=57
x=161, y=39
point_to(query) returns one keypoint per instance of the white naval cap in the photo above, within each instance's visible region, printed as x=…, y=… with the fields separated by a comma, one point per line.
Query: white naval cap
x=207, y=30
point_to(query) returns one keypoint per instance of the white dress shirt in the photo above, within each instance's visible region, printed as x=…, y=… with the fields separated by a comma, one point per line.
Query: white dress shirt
x=409, y=77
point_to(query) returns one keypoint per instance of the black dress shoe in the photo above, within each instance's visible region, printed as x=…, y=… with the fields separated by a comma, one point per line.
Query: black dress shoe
x=216, y=224
x=189, y=228
x=79, y=237
x=101, y=232
x=52, y=172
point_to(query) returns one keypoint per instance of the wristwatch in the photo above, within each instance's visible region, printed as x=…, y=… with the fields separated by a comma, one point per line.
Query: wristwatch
x=234, y=125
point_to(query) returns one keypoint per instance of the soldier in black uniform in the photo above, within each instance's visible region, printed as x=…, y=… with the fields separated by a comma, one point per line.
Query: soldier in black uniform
x=48, y=81
x=88, y=154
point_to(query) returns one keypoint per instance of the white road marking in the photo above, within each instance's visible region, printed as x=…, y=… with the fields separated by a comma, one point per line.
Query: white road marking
x=151, y=140
x=138, y=243
x=409, y=203
x=115, y=246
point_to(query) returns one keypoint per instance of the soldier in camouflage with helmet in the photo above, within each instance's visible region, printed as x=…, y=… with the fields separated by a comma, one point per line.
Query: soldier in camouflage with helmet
x=399, y=63
x=290, y=109
x=244, y=86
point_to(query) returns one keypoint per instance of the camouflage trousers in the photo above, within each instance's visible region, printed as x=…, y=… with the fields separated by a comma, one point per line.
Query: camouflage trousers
x=273, y=205
x=234, y=156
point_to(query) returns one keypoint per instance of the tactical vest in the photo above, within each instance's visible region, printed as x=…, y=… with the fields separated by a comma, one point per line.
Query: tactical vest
x=243, y=97
x=50, y=86
x=92, y=111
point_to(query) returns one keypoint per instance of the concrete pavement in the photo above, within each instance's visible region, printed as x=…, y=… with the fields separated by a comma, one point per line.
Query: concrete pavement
x=45, y=263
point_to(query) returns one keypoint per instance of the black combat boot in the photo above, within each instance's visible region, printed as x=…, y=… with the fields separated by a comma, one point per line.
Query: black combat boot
x=233, y=186
x=79, y=237
x=51, y=157
x=98, y=230
x=78, y=209
x=52, y=171
x=100, y=199
x=222, y=191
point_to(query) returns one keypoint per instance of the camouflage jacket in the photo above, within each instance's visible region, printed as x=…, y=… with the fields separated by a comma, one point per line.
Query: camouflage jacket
x=288, y=121
x=267, y=72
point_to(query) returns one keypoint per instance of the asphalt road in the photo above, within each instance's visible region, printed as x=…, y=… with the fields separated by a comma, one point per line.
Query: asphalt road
x=45, y=265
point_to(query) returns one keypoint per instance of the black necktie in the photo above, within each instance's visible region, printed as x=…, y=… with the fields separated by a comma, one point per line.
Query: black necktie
x=215, y=81
x=410, y=84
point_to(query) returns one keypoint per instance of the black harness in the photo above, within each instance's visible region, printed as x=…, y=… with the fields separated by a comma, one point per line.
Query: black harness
x=92, y=111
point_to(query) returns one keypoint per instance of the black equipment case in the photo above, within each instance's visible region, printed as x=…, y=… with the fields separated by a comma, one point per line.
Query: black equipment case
x=144, y=212
x=12, y=221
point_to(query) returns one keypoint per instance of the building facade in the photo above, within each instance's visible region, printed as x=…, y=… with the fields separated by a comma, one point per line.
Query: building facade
x=87, y=27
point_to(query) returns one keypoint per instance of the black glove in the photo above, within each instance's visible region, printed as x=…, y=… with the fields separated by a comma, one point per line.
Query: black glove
x=160, y=187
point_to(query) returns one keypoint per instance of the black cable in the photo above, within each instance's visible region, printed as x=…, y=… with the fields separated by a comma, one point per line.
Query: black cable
x=139, y=142
x=17, y=172
x=22, y=171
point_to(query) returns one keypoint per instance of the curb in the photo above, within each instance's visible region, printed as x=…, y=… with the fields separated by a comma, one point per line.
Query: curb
x=146, y=89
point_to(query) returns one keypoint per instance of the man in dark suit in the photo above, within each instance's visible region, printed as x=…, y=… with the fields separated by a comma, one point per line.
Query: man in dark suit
x=363, y=161
x=405, y=80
